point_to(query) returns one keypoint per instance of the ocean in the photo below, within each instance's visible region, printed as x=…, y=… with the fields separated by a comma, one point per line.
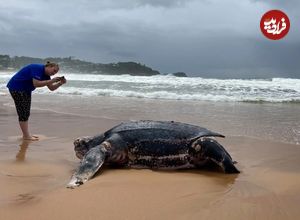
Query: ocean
x=275, y=90
x=260, y=108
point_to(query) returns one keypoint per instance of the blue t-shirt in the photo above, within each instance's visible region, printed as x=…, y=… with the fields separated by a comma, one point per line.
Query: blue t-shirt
x=22, y=80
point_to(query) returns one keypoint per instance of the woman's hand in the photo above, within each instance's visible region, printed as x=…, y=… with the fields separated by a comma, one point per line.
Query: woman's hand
x=63, y=80
x=55, y=80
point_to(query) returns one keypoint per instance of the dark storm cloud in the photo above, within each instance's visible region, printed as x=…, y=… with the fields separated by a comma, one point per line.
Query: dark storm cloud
x=208, y=37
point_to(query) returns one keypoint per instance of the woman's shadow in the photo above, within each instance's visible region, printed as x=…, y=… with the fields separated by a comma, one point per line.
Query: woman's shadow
x=20, y=157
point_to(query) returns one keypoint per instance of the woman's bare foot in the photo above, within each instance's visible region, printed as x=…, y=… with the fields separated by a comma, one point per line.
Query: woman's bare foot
x=31, y=138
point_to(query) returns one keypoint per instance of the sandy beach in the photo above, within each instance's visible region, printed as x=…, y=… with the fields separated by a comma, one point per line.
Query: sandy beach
x=226, y=68
x=33, y=175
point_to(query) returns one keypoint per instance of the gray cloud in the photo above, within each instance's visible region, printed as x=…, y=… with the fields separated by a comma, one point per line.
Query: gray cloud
x=208, y=37
x=159, y=3
x=291, y=4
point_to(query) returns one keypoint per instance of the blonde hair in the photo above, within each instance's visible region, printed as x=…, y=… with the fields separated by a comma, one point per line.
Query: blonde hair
x=50, y=64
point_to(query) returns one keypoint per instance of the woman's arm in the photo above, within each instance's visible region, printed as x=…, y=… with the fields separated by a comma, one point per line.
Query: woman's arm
x=61, y=80
x=54, y=86
x=50, y=83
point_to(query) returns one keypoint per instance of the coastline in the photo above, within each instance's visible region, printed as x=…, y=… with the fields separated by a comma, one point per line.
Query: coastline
x=266, y=121
x=33, y=176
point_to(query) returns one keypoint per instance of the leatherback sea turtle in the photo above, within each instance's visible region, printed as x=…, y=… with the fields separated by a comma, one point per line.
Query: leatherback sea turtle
x=150, y=144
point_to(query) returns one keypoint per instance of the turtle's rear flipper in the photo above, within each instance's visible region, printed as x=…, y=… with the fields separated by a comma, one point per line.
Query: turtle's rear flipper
x=89, y=165
x=215, y=152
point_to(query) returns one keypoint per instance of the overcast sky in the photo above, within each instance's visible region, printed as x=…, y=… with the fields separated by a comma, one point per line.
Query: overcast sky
x=217, y=38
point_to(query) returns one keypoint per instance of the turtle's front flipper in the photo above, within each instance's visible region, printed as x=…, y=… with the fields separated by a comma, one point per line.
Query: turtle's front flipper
x=89, y=165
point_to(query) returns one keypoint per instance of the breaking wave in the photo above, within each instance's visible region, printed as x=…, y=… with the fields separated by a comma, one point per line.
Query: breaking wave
x=177, y=88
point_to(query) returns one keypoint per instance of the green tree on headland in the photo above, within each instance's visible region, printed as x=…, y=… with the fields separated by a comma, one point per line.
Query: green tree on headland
x=69, y=64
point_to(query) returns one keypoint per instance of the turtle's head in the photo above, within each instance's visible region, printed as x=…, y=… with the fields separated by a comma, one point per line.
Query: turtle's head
x=83, y=144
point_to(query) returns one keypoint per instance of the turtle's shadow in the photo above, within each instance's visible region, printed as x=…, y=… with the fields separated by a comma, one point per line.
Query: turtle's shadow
x=210, y=171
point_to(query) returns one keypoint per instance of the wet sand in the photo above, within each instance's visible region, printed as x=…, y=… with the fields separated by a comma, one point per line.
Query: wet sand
x=33, y=176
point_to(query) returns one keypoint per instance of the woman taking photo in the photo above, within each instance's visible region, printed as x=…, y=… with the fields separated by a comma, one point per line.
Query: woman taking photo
x=24, y=82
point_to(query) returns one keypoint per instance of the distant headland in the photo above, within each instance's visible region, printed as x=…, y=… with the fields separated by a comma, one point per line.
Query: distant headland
x=70, y=64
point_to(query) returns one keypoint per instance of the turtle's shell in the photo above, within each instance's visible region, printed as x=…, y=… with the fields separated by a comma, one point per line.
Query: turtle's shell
x=158, y=138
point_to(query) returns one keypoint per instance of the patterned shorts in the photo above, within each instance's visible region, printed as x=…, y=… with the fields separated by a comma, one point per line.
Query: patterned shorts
x=22, y=101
